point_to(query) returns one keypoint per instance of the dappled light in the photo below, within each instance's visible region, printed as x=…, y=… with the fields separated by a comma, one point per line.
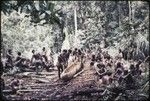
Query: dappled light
x=75, y=50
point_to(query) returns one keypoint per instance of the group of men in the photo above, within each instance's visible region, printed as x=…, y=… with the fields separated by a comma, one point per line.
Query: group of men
x=38, y=59
x=67, y=56
x=115, y=69
x=110, y=68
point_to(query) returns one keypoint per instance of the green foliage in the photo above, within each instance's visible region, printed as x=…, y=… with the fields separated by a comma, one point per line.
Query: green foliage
x=95, y=20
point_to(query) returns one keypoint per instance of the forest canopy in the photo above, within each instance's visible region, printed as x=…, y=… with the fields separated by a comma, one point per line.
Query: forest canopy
x=27, y=25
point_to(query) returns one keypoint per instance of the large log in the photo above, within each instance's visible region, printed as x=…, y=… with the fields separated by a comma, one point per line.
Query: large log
x=71, y=70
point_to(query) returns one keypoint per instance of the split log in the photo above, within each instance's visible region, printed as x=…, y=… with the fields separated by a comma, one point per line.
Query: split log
x=46, y=85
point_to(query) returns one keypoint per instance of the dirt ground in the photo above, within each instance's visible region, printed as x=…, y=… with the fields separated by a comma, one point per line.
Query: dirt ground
x=47, y=86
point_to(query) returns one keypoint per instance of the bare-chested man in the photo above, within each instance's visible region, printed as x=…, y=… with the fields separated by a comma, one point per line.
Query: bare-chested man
x=36, y=60
x=60, y=64
x=9, y=59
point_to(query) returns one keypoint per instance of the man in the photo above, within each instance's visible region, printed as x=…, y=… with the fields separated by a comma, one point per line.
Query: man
x=9, y=59
x=75, y=53
x=129, y=81
x=18, y=61
x=106, y=55
x=137, y=68
x=132, y=69
x=67, y=56
x=120, y=55
x=119, y=65
x=60, y=64
x=45, y=59
x=79, y=53
x=36, y=60
x=130, y=53
x=124, y=53
x=93, y=59
x=68, y=53
x=26, y=63
x=99, y=56
x=51, y=60
x=44, y=54
x=14, y=84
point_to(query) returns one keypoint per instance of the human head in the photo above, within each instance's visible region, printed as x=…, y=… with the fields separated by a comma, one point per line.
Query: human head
x=75, y=49
x=9, y=51
x=131, y=66
x=64, y=51
x=125, y=72
x=69, y=50
x=79, y=50
x=92, y=63
x=33, y=51
x=119, y=71
x=120, y=50
x=43, y=49
x=19, y=53
x=119, y=64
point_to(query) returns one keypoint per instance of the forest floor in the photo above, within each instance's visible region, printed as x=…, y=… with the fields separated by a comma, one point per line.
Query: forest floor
x=47, y=86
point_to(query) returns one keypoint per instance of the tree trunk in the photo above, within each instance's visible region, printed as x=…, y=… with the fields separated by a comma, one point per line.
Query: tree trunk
x=130, y=11
x=119, y=15
x=75, y=21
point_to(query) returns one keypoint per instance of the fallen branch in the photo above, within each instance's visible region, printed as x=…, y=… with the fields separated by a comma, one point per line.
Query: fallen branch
x=78, y=73
x=145, y=86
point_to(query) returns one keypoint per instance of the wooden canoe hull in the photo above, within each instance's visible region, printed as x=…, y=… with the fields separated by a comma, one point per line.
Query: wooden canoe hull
x=71, y=70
